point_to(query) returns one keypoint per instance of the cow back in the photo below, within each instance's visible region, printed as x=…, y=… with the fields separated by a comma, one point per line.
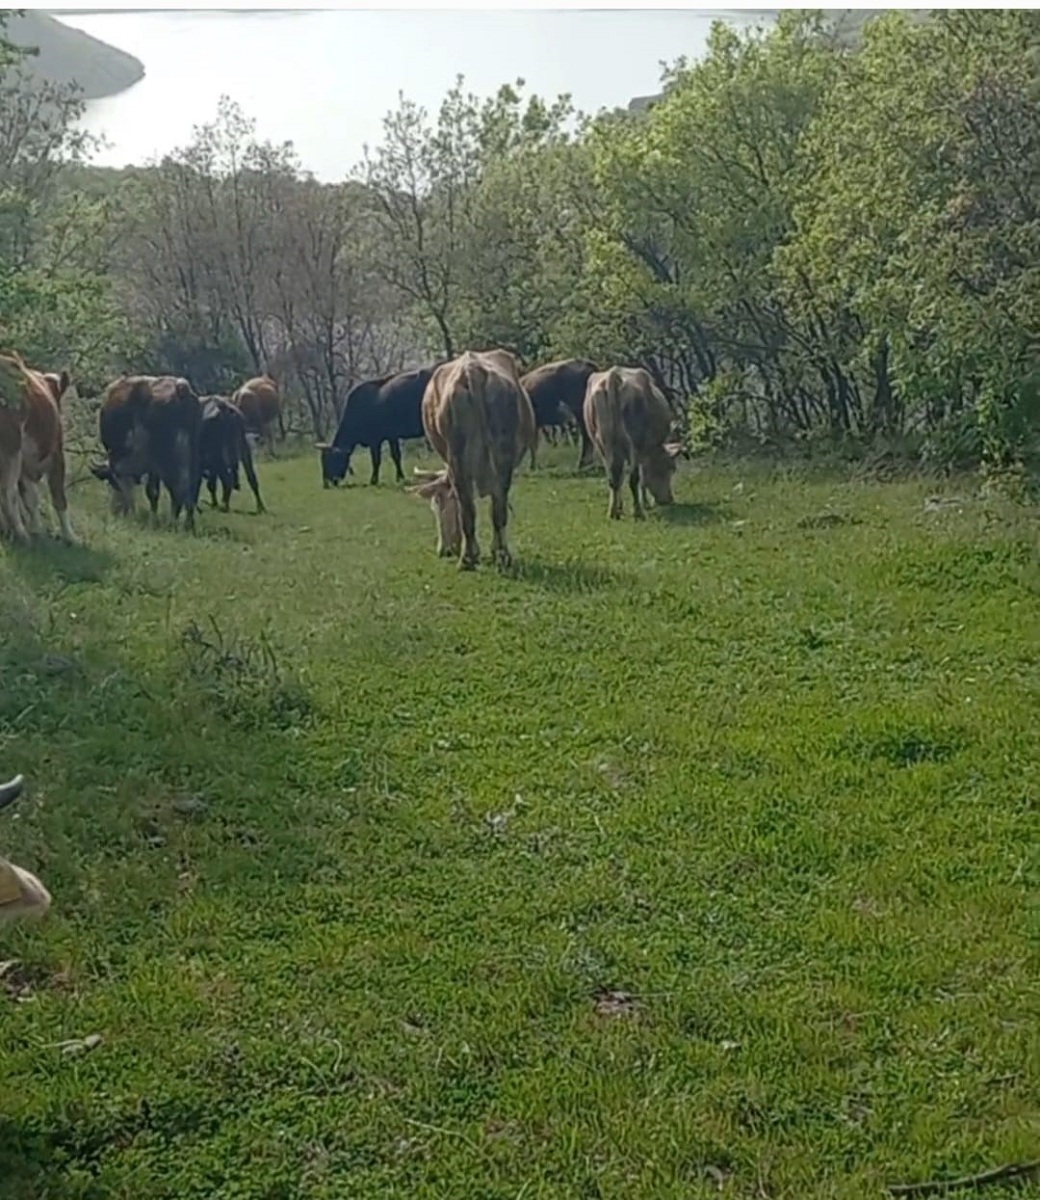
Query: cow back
x=28, y=409
x=558, y=384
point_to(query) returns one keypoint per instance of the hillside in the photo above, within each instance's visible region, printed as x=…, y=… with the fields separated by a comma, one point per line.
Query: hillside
x=68, y=55
x=846, y=23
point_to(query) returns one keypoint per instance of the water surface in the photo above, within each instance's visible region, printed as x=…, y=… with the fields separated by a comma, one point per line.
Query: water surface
x=325, y=79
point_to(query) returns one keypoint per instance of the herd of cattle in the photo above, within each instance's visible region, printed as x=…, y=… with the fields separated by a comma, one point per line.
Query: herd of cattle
x=477, y=411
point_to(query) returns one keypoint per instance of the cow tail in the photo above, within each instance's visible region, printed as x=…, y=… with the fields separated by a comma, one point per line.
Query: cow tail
x=483, y=465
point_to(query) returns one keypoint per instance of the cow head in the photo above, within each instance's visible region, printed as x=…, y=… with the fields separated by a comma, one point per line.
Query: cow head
x=657, y=469
x=21, y=893
x=436, y=487
x=121, y=487
x=335, y=464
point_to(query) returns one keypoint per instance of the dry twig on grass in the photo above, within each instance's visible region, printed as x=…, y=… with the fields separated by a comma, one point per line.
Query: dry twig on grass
x=939, y=1187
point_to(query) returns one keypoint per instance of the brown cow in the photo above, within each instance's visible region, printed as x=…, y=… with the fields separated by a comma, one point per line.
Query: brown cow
x=260, y=404
x=21, y=893
x=480, y=421
x=31, y=446
x=631, y=425
x=150, y=426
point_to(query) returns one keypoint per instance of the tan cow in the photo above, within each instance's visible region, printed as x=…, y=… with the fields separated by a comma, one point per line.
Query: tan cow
x=630, y=424
x=31, y=446
x=260, y=404
x=21, y=893
x=480, y=421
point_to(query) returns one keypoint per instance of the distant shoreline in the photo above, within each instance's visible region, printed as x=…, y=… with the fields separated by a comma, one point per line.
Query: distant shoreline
x=66, y=56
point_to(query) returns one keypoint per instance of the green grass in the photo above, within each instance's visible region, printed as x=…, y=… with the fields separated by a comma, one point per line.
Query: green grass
x=344, y=845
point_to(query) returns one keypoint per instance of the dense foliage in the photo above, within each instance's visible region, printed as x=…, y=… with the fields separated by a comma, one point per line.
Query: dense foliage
x=801, y=241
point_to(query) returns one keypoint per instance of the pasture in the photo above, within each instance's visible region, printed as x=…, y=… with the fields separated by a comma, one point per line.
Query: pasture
x=693, y=858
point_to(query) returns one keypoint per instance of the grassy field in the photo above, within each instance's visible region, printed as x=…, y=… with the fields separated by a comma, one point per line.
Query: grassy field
x=695, y=858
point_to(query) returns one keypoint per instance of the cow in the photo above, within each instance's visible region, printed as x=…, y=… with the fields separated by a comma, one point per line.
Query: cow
x=630, y=422
x=149, y=425
x=376, y=411
x=21, y=893
x=479, y=419
x=557, y=389
x=223, y=444
x=32, y=445
x=260, y=405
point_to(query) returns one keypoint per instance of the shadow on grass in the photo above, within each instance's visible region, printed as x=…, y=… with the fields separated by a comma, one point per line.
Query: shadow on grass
x=218, y=533
x=48, y=557
x=692, y=514
x=570, y=577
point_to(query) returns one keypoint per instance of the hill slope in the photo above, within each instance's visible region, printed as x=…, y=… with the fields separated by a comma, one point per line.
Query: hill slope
x=68, y=55
x=699, y=843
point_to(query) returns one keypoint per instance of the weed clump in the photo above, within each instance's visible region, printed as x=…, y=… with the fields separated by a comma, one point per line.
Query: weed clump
x=242, y=678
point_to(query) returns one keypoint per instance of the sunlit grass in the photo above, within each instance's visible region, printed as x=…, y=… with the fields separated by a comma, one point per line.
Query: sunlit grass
x=692, y=853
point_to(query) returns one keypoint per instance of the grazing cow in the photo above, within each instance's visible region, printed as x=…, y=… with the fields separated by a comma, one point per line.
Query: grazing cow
x=260, y=405
x=21, y=893
x=480, y=421
x=31, y=446
x=376, y=411
x=556, y=390
x=222, y=446
x=631, y=425
x=150, y=427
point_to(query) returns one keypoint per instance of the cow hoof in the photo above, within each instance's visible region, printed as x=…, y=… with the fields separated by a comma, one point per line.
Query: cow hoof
x=639, y=515
x=467, y=564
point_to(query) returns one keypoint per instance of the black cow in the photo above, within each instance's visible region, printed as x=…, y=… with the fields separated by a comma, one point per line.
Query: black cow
x=376, y=411
x=222, y=446
x=150, y=427
x=557, y=389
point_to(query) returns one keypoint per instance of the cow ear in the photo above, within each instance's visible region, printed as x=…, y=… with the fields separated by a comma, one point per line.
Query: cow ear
x=430, y=489
x=64, y=380
x=673, y=449
x=99, y=471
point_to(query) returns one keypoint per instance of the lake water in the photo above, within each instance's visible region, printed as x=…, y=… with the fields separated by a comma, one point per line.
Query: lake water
x=325, y=79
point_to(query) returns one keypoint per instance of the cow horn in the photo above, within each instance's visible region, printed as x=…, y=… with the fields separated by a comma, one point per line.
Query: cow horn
x=322, y=446
x=427, y=476
x=10, y=791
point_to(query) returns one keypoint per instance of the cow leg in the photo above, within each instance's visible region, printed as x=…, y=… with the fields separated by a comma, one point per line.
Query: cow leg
x=10, y=500
x=211, y=485
x=395, y=454
x=499, y=517
x=637, y=504
x=29, y=501
x=56, y=487
x=227, y=486
x=377, y=457
x=191, y=479
x=175, y=497
x=247, y=465
x=151, y=489
x=615, y=476
x=534, y=447
x=468, y=514
x=586, y=446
